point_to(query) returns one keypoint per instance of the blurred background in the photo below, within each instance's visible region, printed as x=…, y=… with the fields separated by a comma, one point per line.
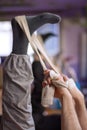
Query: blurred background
x=65, y=43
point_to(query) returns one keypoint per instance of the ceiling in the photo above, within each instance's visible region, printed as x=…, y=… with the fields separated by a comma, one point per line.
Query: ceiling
x=9, y=8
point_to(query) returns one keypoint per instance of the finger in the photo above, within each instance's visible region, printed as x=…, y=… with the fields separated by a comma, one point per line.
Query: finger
x=65, y=78
x=46, y=72
x=44, y=83
x=49, y=80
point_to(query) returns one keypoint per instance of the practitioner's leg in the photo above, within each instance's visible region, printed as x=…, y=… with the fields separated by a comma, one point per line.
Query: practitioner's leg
x=20, y=41
x=17, y=109
x=37, y=21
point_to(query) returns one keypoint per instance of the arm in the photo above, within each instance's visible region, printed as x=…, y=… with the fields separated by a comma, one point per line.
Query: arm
x=82, y=113
x=80, y=106
x=69, y=119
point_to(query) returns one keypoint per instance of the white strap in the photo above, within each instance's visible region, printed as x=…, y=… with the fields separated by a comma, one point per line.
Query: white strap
x=35, y=44
x=34, y=41
x=23, y=24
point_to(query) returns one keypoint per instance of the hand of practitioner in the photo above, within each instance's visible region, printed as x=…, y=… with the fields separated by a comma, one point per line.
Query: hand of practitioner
x=79, y=103
x=73, y=116
x=59, y=90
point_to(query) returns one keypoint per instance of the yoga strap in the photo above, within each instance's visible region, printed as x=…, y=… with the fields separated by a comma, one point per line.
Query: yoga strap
x=36, y=45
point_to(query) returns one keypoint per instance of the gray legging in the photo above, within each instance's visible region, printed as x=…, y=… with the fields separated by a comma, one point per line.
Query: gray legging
x=17, y=111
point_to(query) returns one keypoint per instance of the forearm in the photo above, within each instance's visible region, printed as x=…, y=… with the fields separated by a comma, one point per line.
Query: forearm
x=79, y=104
x=69, y=116
x=82, y=112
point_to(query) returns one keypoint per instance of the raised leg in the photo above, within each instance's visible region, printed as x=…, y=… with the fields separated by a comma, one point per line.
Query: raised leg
x=20, y=41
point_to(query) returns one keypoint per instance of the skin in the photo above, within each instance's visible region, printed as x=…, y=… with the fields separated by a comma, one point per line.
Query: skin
x=79, y=106
x=74, y=113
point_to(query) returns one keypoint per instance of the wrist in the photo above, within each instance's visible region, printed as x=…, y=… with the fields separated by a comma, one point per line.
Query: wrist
x=66, y=96
x=80, y=99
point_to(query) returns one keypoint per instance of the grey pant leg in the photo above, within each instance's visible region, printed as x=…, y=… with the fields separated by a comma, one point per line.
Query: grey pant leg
x=17, y=109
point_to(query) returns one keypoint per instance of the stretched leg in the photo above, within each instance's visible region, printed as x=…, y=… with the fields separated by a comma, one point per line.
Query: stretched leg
x=37, y=21
x=20, y=42
x=17, y=109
